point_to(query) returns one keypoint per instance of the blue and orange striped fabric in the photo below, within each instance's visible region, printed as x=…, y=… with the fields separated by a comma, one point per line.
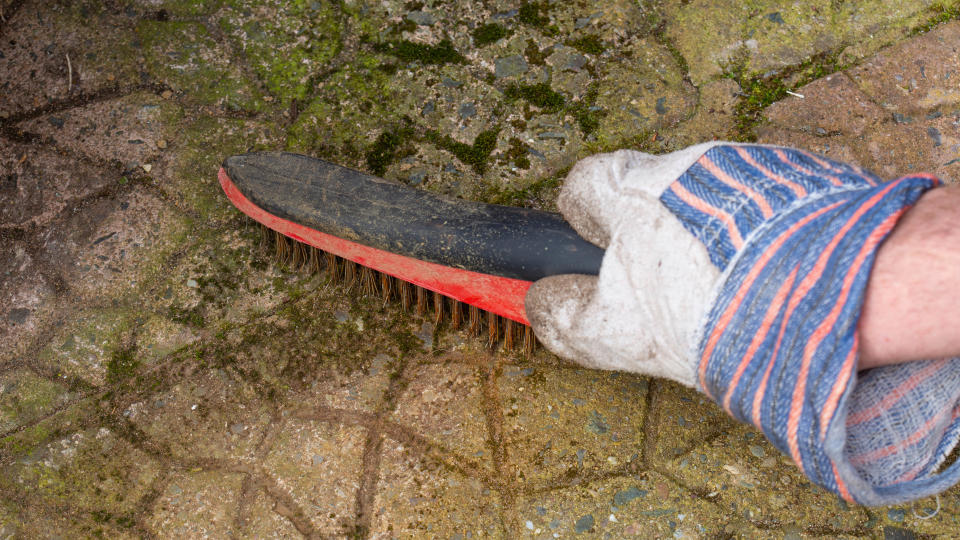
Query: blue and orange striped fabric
x=795, y=236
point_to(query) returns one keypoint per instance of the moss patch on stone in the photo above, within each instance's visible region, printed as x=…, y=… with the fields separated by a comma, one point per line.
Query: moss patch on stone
x=204, y=144
x=518, y=153
x=409, y=51
x=539, y=94
x=475, y=154
x=939, y=14
x=289, y=48
x=122, y=365
x=388, y=148
x=349, y=113
x=187, y=8
x=540, y=193
x=488, y=33
x=186, y=57
x=26, y=397
x=589, y=44
x=535, y=14
x=83, y=349
x=761, y=91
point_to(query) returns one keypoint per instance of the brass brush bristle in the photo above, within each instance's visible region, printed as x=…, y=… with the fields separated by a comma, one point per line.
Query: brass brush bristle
x=298, y=256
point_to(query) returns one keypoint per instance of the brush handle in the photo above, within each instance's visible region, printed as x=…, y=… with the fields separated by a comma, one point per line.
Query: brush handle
x=507, y=241
x=481, y=254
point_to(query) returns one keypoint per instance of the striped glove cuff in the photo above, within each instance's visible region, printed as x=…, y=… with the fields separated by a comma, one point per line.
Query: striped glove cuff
x=795, y=236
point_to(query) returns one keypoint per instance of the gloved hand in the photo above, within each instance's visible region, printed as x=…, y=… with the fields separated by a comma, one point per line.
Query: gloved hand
x=740, y=270
x=641, y=313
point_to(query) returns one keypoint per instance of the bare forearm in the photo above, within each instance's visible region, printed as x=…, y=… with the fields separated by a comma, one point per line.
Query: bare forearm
x=912, y=306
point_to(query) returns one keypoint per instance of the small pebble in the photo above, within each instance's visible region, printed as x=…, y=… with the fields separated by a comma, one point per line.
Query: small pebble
x=510, y=66
x=583, y=524
x=147, y=167
x=450, y=83
x=529, y=525
x=192, y=283
x=166, y=94
x=757, y=450
x=421, y=18
x=467, y=110
x=623, y=497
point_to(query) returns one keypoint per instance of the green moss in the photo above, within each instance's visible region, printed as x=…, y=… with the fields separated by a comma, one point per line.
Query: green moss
x=486, y=34
x=518, y=153
x=382, y=152
x=122, y=365
x=353, y=103
x=759, y=92
x=533, y=14
x=408, y=51
x=589, y=44
x=534, y=55
x=192, y=317
x=539, y=94
x=289, y=49
x=539, y=194
x=185, y=56
x=587, y=119
x=940, y=14
x=27, y=397
x=189, y=8
x=204, y=143
x=387, y=148
x=475, y=154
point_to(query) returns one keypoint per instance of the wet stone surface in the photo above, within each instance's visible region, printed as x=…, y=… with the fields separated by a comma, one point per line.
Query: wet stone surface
x=162, y=374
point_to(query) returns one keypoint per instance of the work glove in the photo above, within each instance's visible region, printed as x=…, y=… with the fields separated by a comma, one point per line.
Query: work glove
x=740, y=270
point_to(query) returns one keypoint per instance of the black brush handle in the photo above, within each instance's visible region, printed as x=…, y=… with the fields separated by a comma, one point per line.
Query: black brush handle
x=505, y=241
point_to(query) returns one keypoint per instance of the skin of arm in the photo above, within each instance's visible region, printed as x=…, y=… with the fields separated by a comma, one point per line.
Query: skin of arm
x=912, y=306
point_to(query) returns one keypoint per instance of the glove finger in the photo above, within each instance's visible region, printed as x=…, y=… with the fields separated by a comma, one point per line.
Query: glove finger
x=602, y=190
x=553, y=305
x=591, y=191
x=574, y=319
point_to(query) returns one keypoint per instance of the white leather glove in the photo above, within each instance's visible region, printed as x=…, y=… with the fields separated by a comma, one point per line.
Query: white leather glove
x=642, y=312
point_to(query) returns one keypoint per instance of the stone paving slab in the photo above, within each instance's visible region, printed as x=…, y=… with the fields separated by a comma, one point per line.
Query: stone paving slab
x=163, y=375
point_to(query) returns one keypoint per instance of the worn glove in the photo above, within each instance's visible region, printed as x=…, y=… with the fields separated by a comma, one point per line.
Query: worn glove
x=740, y=270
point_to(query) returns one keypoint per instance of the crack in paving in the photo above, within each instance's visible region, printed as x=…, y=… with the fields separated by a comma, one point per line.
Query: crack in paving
x=78, y=100
x=373, y=449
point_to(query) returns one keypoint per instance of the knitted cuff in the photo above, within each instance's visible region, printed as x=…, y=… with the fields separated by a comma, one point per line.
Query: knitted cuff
x=796, y=236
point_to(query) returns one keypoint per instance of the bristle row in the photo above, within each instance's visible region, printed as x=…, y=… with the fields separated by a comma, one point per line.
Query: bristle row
x=298, y=256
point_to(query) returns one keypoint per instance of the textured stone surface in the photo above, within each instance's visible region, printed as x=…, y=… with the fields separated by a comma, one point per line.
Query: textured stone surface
x=770, y=36
x=162, y=375
x=561, y=425
x=841, y=108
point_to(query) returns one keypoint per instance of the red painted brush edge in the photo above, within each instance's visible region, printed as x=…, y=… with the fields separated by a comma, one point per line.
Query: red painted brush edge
x=499, y=295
